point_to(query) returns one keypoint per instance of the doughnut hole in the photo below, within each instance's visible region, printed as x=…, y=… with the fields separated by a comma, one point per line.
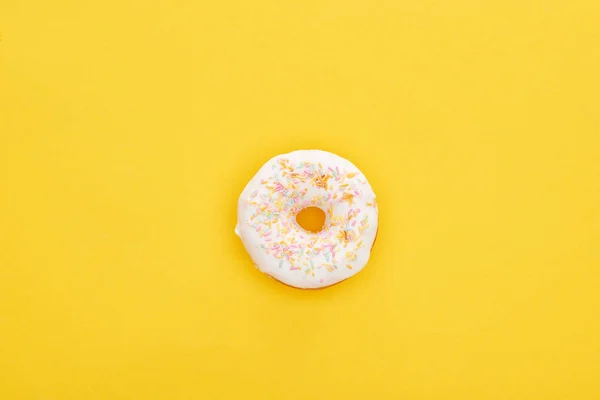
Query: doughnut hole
x=311, y=219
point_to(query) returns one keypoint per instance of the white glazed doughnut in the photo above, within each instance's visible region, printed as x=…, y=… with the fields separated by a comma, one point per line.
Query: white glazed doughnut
x=279, y=247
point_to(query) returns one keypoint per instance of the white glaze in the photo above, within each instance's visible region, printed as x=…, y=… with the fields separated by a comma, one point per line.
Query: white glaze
x=279, y=247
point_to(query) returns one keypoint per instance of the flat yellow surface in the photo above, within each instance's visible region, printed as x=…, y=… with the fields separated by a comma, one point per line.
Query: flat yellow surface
x=128, y=130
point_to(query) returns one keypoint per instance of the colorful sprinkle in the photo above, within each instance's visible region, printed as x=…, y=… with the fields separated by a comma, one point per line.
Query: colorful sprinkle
x=283, y=195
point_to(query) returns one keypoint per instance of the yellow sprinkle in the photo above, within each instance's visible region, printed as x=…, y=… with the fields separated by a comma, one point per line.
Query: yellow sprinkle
x=349, y=266
x=348, y=197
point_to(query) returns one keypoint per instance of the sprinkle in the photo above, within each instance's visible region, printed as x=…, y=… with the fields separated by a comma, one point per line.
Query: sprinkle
x=281, y=198
x=348, y=197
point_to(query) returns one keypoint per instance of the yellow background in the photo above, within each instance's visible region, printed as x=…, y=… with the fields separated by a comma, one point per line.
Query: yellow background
x=128, y=130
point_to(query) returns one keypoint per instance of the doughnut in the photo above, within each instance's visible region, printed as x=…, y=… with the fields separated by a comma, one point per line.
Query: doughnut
x=280, y=247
